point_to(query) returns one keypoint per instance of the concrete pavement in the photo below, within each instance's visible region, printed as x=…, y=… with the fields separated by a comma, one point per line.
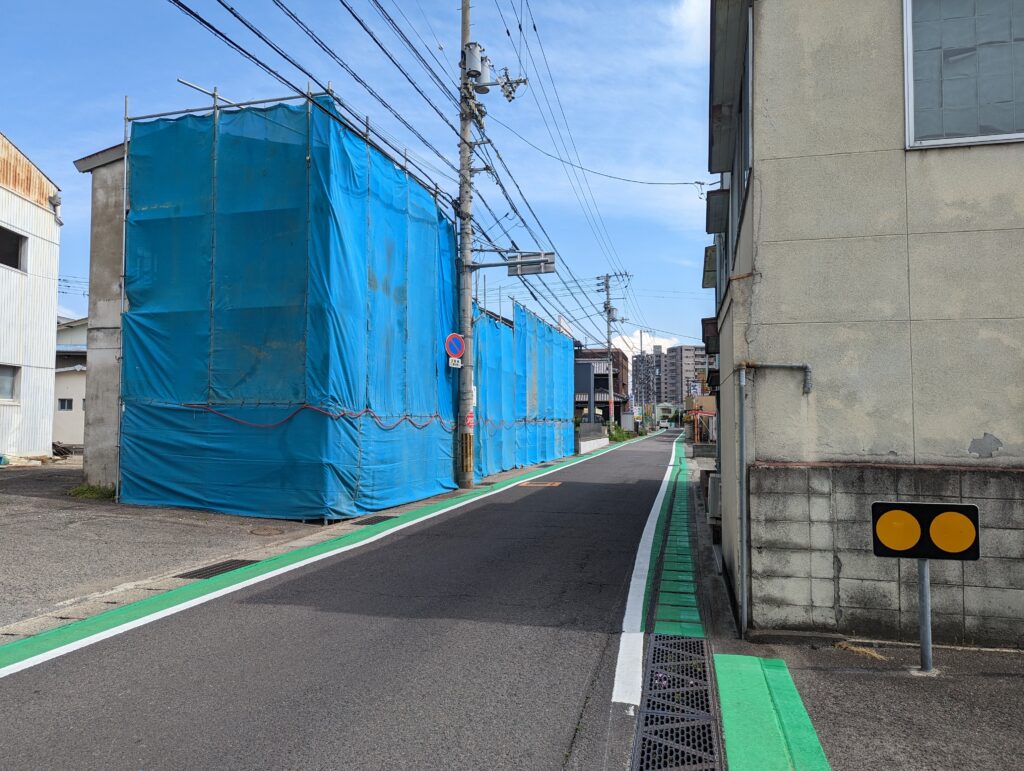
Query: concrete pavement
x=482, y=638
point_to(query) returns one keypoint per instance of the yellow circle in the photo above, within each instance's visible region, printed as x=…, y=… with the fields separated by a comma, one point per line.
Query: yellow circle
x=898, y=530
x=952, y=531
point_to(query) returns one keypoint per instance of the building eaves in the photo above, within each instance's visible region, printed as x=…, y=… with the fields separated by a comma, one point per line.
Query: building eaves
x=728, y=45
x=30, y=161
x=100, y=158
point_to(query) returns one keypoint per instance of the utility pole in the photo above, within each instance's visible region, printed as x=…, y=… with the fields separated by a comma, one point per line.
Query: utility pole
x=643, y=375
x=476, y=79
x=467, y=111
x=609, y=312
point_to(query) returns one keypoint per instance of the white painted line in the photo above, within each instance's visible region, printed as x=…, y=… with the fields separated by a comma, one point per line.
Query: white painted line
x=629, y=667
x=63, y=650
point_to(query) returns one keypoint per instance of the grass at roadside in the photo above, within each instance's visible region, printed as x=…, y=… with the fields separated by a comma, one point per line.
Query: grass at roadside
x=92, y=492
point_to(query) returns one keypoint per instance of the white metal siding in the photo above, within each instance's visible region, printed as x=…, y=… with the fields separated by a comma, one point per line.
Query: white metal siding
x=28, y=331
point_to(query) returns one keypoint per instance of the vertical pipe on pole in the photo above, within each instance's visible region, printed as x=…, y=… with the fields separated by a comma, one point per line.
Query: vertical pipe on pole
x=744, y=556
x=464, y=475
x=924, y=613
x=120, y=319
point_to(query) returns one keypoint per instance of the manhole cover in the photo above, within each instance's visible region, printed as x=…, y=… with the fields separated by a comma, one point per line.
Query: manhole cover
x=267, y=530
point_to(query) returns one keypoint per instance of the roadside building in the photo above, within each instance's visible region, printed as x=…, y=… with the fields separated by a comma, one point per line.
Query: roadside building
x=103, y=385
x=867, y=268
x=598, y=357
x=29, y=263
x=669, y=374
x=69, y=383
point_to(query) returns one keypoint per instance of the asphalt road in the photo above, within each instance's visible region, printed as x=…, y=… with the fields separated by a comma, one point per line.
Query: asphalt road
x=483, y=638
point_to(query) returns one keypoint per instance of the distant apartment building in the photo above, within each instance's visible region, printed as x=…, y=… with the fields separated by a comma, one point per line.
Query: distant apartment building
x=29, y=262
x=668, y=375
x=69, y=383
x=867, y=268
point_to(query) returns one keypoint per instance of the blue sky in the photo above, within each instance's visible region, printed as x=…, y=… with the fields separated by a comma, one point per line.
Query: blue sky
x=631, y=77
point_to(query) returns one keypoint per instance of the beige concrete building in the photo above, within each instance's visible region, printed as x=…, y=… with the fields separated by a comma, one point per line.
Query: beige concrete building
x=69, y=383
x=103, y=387
x=870, y=227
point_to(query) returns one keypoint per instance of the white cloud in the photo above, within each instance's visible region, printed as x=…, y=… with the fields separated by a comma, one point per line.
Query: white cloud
x=690, y=21
x=630, y=344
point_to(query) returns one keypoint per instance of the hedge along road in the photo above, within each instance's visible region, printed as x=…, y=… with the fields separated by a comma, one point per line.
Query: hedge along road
x=483, y=637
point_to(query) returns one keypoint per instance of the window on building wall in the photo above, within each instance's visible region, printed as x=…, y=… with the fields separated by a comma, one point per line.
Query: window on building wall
x=65, y=405
x=8, y=382
x=965, y=71
x=12, y=249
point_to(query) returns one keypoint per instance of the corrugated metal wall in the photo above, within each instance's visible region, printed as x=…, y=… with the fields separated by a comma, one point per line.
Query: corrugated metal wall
x=28, y=326
x=19, y=174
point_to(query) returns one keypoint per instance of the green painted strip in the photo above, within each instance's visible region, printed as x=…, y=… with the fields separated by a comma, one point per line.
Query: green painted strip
x=674, y=613
x=44, y=642
x=659, y=534
x=677, y=600
x=679, y=629
x=677, y=586
x=765, y=724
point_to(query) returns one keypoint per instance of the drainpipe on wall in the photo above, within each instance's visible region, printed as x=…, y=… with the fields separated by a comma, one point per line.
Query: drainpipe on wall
x=741, y=478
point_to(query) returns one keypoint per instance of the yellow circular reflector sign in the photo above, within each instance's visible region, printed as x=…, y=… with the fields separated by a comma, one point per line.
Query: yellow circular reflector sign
x=898, y=530
x=953, y=532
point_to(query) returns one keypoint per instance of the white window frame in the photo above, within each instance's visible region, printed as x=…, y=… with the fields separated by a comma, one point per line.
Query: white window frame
x=908, y=86
x=22, y=252
x=16, y=395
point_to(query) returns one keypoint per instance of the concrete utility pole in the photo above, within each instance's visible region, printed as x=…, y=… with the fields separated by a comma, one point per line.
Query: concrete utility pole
x=643, y=375
x=476, y=79
x=467, y=111
x=609, y=312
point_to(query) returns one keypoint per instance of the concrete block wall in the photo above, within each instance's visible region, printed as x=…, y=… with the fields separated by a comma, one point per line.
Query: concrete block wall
x=812, y=566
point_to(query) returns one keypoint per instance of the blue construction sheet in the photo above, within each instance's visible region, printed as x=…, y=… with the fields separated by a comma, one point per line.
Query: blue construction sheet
x=282, y=350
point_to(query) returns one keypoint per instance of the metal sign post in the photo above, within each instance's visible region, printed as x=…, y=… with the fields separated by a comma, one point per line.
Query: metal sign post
x=927, y=531
x=924, y=613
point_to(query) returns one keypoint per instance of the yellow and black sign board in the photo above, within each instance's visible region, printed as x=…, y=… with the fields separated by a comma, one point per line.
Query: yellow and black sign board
x=938, y=531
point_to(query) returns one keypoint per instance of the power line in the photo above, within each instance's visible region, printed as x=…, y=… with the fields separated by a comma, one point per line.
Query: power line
x=698, y=184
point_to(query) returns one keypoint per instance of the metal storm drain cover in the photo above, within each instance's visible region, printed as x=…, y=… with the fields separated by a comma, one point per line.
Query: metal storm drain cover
x=541, y=484
x=374, y=520
x=678, y=721
x=215, y=569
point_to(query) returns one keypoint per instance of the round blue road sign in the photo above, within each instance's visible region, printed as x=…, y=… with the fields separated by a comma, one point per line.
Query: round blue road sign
x=454, y=345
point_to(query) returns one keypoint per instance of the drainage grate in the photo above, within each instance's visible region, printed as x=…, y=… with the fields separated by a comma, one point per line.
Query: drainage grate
x=376, y=519
x=678, y=722
x=215, y=569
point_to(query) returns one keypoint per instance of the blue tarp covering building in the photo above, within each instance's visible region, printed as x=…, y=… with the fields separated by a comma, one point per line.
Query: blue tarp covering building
x=288, y=290
x=524, y=392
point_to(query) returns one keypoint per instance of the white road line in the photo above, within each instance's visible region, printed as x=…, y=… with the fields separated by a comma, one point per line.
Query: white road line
x=63, y=650
x=629, y=667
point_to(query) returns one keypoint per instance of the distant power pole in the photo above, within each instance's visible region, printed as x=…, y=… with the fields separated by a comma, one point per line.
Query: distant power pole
x=610, y=315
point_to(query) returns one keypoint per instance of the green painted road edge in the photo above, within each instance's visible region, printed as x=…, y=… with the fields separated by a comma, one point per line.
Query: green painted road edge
x=765, y=724
x=44, y=642
x=676, y=608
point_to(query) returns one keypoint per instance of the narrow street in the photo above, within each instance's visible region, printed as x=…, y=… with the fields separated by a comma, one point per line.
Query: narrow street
x=483, y=638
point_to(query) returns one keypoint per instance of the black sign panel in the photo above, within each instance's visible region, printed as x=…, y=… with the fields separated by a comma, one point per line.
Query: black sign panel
x=938, y=531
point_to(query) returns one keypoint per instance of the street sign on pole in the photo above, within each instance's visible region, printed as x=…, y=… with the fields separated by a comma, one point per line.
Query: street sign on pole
x=454, y=362
x=926, y=531
x=454, y=346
